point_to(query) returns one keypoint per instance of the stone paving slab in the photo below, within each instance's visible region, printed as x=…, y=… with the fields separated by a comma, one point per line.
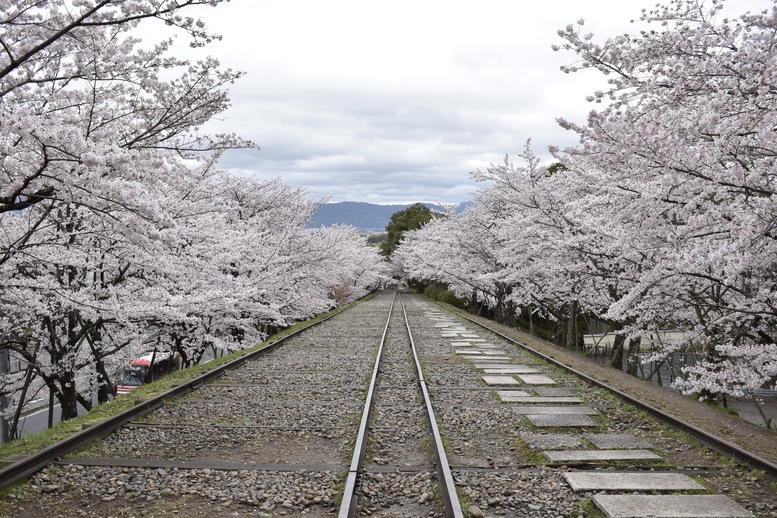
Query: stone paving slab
x=492, y=352
x=554, y=410
x=610, y=441
x=500, y=380
x=564, y=420
x=536, y=400
x=553, y=391
x=490, y=363
x=591, y=455
x=551, y=441
x=512, y=393
x=625, y=481
x=537, y=379
x=670, y=506
x=468, y=351
x=483, y=358
x=512, y=370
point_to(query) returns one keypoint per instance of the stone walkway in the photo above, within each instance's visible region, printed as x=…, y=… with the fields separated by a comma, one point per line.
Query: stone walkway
x=546, y=403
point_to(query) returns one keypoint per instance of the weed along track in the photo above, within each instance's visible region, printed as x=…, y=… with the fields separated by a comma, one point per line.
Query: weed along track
x=396, y=408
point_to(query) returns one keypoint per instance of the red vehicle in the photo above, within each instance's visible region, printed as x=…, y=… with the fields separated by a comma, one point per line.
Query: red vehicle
x=146, y=369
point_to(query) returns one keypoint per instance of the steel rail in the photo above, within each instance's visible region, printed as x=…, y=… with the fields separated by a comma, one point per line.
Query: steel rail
x=350, y=491
x=28, y=465
x=447, y=486
x=740, y=455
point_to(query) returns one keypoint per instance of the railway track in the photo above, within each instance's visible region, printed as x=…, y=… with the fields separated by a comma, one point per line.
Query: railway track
x=407, y=412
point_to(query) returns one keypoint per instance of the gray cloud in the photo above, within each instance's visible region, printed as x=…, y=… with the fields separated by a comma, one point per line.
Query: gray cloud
x=394, y=102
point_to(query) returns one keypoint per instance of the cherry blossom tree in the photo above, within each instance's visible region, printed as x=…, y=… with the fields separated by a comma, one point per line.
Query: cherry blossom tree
x=461, y=251
x=239, y=262
x=347, y=266
x=88, y=126
x=686, y=143
x=81, y=101
x=663, y=216
x=525, y=245
x=118, y=233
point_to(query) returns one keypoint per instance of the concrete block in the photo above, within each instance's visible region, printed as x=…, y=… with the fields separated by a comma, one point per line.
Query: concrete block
x=624, y=481
x=554, y=410
x=609, y=441
x=490, y=363
x=670, y=506
x=512, y=393
x=564, y=420
x=594, y=455
x=553, y=391
x=536, y=379
x=511, y=370
x=500, y=380
x=535, y=400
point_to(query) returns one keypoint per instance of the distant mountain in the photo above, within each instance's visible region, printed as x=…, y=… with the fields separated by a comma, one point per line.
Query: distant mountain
x=364, y=216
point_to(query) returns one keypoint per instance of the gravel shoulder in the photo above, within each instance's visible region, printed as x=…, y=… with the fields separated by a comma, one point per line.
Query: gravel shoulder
x=748, y=436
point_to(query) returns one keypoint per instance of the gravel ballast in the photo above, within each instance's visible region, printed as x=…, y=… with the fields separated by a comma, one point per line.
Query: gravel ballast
x=279, y=434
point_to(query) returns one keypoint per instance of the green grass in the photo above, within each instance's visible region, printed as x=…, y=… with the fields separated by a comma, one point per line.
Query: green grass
x=589, y=510
x=530, y=456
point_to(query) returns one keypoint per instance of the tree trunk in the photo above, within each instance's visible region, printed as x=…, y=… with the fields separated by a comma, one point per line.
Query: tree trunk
x=51, y=409
x=68, y=396
x=105, y=388
x=28, y=377
x=633, y=363
x=766, y=419
x=616, y=359
x=570, y=336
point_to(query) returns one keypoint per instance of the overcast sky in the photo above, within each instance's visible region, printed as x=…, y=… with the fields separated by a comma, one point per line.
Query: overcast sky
x=397, y=102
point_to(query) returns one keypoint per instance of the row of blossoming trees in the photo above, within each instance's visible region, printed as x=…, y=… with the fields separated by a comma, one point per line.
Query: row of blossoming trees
x=663, y=217
x=118, y=234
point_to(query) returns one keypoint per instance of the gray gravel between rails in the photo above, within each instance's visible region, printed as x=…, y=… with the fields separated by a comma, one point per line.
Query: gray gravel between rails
x=399, y=438
x=293, y=410
x=294, y=416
